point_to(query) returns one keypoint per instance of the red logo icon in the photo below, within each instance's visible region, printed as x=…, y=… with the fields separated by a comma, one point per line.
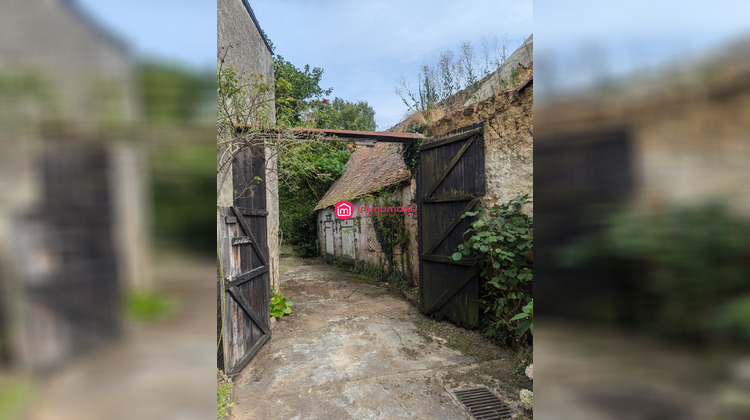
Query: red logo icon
x=344, y=210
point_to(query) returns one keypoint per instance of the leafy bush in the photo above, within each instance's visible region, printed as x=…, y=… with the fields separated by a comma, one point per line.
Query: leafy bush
x=501, y=242
x=680, y=272
x=149, y=306
x=280, y=306
x=183, y=187
x=16, y=394
x=528, y=319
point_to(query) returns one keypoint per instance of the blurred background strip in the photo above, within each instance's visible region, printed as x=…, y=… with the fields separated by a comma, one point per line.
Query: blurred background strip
x=642, y=198
x=106, y=125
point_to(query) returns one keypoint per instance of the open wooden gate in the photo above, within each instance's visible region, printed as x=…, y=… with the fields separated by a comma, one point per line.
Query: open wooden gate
x=450, y=182
x=245, y=290
x=69, y=302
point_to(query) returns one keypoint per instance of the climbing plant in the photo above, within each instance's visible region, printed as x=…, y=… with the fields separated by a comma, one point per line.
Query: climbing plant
x=410, y=152
x=391, y=232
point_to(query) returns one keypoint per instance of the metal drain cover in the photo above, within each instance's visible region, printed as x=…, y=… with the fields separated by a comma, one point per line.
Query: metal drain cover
x=483, y=404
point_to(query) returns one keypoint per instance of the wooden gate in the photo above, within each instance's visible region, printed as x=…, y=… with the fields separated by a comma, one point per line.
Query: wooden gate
x=580, y=178
x=245, y=290
x=450, y=182
x=70, y=291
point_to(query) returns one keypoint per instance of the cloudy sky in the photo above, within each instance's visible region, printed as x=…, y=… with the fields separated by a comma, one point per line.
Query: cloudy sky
x=366, y=47
x=182, y=31
x=638, y=37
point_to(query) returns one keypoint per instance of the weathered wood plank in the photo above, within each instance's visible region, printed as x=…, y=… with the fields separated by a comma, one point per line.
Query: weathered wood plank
x=241, y=240
x=245, y=305
x=448, y=168
x=447, y=294
x=249, y=233
x=240, y=364
x=252, y=212
x=452, y=225
x=450, y=174
x=449, y=199
x=446, y=260
x=452, y=138
x=245, y=290
x=245, y=277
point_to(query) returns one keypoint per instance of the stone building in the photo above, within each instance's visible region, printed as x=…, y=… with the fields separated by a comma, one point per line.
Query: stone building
x=507, y=115
x=372, y=173
x=247, y=218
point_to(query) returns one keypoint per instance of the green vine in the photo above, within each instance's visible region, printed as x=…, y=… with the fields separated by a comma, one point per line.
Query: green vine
x=390, y=230
x=409, y=152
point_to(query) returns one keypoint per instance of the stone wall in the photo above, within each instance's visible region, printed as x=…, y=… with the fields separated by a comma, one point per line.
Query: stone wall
x=240, y=44
x=688, y=145
x=508, y=137
x=521, y=59
x=694, y=151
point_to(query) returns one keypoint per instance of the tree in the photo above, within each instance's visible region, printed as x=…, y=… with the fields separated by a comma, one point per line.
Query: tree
x=307, y=169
x=175, y=95
x=294, y=90
x=343, y=115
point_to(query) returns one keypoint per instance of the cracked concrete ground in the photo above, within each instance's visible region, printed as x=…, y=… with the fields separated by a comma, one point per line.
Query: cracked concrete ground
x=354, y=350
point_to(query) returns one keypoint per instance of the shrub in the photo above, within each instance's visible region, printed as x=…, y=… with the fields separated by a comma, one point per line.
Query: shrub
x=680, y=272
x=501, y=242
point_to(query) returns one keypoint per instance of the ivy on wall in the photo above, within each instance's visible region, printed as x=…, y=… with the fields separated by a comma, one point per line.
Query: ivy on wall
x=392, y=234
x=409, y=152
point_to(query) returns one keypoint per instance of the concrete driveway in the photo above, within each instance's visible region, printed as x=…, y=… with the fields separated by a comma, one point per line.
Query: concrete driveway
x=355, y=350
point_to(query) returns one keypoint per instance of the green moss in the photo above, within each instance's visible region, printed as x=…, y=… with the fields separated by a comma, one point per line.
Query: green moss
x=411, y=354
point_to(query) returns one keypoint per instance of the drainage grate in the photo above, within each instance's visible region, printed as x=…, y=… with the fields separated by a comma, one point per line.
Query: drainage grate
x=483, y=404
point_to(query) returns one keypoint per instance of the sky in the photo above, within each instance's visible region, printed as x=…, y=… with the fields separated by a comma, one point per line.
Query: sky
x=180, y=31
x=617, y=39
x=365, y=48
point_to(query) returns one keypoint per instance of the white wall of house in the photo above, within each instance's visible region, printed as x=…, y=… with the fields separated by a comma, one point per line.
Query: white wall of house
x=354, y=241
